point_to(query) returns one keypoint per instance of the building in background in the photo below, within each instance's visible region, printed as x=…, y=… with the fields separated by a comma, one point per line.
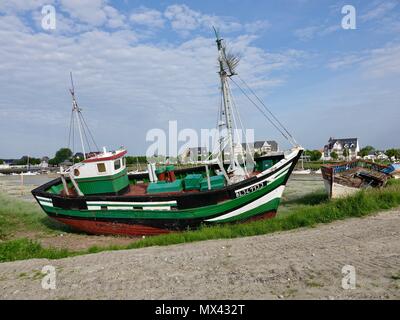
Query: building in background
x=339, y=146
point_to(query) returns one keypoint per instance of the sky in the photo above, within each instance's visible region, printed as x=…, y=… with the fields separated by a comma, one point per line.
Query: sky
x=139, y=64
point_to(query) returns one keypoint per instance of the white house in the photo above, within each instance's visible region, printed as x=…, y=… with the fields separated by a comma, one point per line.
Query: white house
x=339, y=146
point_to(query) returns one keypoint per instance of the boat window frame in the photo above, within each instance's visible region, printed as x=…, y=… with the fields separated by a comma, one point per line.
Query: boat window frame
x=119, y=164
x=101, y=164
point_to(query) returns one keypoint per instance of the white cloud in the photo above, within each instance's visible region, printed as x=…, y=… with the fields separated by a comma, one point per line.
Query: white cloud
x=383, y=62
x=306, y=33
x=93, y=13
x=375, y=63
x=128, y=85
x=87, y=11
x=115, y=18
x=184, y=20
x=148, y=17
x=257, y=26
x=379, y=11
x=13, y=6
x=311, y=32
x=342, y=62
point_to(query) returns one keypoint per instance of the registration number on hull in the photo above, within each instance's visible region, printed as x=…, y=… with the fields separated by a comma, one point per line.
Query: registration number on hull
x=242, y=192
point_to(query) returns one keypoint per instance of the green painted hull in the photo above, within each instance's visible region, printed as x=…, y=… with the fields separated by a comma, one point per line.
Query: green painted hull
x=153, y=214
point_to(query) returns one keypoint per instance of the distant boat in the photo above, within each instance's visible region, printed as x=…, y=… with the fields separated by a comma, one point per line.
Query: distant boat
x=346, y=178
x=29, y=173
x=304, y=171
x=393, y=170
x=319, y=171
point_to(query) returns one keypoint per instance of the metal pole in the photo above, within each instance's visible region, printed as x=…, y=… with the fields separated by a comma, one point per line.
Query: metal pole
x=80, y=133
x=208, y=178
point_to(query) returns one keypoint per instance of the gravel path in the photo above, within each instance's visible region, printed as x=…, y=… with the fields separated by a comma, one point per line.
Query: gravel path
x=304, y=263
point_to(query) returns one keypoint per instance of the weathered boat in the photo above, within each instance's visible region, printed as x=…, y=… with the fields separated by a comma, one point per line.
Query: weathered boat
x=393, y=170
x=97, y=195
x=346, y=178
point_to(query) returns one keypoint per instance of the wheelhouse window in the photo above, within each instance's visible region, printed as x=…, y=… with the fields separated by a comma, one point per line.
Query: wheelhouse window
x=117, y=164
x=101, y=167
x=124, y=162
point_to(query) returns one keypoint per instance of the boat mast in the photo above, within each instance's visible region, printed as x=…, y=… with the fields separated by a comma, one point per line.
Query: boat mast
x=226, y=101
x=77, y=110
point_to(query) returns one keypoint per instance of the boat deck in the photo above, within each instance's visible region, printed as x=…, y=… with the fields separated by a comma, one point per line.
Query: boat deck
x=352, y=177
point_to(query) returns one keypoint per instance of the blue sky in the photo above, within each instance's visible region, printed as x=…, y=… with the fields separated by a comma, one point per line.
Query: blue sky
x=139, y=64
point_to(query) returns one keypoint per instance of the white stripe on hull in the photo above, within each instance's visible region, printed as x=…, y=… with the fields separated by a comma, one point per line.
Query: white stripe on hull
x=162, y=203
x=44, y=199
x=46, y=204
x=277, y=193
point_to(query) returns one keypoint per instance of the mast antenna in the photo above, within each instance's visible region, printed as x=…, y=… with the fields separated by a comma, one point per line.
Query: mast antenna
x=77, y=111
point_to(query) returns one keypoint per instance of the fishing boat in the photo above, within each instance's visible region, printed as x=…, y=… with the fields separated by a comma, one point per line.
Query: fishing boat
x=97, y=196
x=346, y=178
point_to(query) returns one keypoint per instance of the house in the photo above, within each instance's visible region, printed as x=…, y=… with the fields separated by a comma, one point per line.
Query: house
x=376, y=155
x=265, y=147
x=370, y=156
x=340, y=145
x=257, y=148
x=44, y=163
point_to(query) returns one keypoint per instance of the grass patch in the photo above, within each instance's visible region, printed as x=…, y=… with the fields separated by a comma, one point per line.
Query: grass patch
x=395, y=276
x=23, y=249
x=18, y=216
x=315, y=210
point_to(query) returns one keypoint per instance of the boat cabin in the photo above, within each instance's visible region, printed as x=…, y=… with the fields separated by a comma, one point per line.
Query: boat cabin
x=103, y=173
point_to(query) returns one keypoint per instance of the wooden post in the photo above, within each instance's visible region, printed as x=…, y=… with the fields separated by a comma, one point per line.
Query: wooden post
x=65, y=185
x=22, y=183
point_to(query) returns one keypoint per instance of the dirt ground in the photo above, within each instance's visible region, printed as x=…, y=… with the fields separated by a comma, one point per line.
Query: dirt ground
x=305, y=263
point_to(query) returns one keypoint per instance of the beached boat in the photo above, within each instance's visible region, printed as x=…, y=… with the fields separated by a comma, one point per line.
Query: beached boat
x=346, y=178
x=393, y=170
x=97, y=195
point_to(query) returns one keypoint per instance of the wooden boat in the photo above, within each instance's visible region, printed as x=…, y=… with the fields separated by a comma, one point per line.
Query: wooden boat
x=97, y=195
x=346, y=178
x=393, y=170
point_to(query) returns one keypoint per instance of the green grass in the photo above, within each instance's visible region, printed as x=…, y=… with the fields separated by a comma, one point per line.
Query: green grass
x=22, y=249
x=23, y=217
x=314, y=210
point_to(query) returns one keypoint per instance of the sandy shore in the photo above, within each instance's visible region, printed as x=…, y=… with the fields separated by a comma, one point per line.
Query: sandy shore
x=305, y=263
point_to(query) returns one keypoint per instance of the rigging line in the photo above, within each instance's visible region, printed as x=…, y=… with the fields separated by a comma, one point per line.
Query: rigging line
x=269, y=111
x=242, y=126
x=90, y=133
x=84, y=133
x=73, y=139
x=70, y=128
x=262, y=111
x=234, y=108
x=214, y=145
